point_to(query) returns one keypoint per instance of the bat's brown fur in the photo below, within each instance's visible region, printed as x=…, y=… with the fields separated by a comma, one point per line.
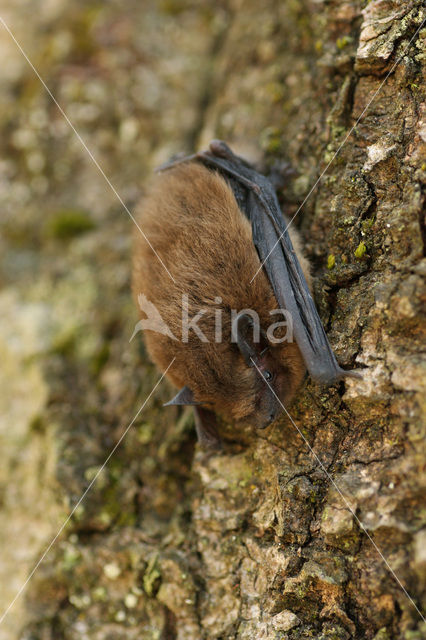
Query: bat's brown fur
x=193, y=221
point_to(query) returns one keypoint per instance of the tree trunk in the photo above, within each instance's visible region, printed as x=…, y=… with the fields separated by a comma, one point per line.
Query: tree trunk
x=314, y=528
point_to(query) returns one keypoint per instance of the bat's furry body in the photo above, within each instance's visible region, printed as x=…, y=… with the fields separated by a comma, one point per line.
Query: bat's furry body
x=192, y=219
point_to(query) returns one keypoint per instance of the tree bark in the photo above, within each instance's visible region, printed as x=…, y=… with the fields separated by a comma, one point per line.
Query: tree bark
x=314, y=528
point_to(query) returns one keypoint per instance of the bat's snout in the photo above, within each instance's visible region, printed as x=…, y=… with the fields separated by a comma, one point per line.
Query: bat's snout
x=271, y=417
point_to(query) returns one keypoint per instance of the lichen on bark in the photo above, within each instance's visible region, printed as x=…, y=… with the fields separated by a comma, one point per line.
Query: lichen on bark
x=272, y=537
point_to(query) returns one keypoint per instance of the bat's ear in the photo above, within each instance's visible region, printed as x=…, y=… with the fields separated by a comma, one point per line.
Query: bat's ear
x=251, y=340
x=183, y=397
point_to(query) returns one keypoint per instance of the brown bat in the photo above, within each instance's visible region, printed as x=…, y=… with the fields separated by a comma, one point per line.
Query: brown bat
x=212, y=218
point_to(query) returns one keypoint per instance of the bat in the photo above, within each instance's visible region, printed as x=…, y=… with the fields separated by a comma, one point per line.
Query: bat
x=218, y=224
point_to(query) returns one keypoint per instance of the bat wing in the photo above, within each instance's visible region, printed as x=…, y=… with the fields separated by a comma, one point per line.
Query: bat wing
x=257, y=199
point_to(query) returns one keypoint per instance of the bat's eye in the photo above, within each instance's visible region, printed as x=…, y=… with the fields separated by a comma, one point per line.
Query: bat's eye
x=267, y=375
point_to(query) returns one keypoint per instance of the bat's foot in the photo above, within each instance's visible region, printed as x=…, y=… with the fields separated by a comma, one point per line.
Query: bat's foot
x=210, y=446
x=205, y=426
x=174, y=161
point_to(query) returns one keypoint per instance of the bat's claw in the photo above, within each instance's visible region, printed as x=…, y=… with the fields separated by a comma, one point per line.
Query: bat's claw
x=173, y=162
x=220, y=148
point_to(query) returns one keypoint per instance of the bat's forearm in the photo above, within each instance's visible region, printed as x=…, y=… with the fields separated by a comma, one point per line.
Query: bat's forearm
x=298, y=247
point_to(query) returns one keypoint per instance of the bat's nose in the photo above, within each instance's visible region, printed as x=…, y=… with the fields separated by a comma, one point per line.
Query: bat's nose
x=271, y=417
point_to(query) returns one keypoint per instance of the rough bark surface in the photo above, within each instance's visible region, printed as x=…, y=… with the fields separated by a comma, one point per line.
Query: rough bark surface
x=260, y=540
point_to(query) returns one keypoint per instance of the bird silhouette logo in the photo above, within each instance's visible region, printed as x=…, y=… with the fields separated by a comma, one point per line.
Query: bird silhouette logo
x=153, y=320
